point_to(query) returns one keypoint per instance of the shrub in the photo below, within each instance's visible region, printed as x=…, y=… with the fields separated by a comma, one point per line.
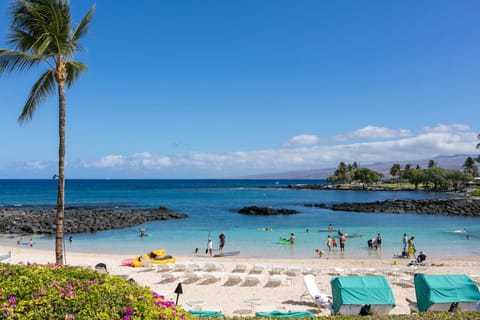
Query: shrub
x=54, y=292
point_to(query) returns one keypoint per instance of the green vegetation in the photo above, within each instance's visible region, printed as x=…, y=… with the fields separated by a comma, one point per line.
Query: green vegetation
x=42, y=34
x=56, y=292
x=431, y=178
x=351, y=172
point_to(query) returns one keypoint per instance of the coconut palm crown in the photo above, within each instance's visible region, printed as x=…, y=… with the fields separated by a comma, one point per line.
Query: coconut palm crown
x=41, y=33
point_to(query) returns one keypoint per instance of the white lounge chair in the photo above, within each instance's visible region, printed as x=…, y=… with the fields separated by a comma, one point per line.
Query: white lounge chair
x=5, y=258
x=147, y=265
x=320, y=299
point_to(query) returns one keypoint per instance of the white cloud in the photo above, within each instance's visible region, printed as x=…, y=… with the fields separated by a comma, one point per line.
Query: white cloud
x=425, y=145
x=302, y=140
x=109, y=161
x=35, y=165
x=447, y=128
x=421, y=146
x=372, y=132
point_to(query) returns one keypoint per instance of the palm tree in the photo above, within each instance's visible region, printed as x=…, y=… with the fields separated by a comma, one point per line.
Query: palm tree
x=42, y=33
x=395, y=170
x=469, y=167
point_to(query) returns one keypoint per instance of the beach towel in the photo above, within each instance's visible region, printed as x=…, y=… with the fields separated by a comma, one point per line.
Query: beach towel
x=280, y=314
x=206, y=314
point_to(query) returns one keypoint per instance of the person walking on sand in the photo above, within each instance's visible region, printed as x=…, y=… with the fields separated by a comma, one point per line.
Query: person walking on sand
x=222, y=242
x=343, y=239
x=329, y=243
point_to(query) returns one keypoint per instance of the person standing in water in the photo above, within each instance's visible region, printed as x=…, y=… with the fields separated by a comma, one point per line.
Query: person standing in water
x=210, y=246
x=343, y=239
x=329, y=243
x=411, y=247
x=222, y=242
x=405, y=241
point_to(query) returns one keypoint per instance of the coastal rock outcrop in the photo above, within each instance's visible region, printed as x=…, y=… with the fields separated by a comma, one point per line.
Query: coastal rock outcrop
x=266, y=211
x=79, y=219
x=453, y=206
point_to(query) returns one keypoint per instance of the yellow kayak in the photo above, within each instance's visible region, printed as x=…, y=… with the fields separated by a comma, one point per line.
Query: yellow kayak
x=156, y=257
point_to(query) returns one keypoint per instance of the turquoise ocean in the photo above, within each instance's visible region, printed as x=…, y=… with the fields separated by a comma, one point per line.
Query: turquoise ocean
x=212, y=204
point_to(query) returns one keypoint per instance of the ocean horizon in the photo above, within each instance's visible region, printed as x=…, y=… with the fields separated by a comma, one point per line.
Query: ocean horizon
x=212, y=205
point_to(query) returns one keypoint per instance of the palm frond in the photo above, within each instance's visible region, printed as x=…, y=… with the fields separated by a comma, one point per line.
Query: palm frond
x=44, y=87
x=11, y=61
x=74, y=69
x=81, y=29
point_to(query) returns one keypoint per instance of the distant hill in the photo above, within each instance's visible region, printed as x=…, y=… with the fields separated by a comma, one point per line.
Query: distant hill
x=445, y=161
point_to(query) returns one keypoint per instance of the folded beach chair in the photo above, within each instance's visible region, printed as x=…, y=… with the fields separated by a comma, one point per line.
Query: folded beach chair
x=252, y=280
x=320, y=299
x=211, y=277
x=239, y=268
x=257, y=269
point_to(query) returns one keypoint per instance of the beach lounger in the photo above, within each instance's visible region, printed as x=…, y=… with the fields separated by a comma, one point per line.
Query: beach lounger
x=278, y=270
x=322, y=300
x=190, y=277
x=147, y=265
x=211, y=277
x=293, y=271
x=276, y=280
x=233, y=280
x=313, y=270
x=212, y=267
x=5, y=258
x=252, y=280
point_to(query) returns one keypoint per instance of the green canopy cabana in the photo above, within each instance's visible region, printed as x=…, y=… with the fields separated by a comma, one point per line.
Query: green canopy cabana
x=350, y=294
x=444, y=289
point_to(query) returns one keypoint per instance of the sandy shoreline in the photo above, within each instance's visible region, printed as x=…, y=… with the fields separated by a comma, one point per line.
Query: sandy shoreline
x=275, y=292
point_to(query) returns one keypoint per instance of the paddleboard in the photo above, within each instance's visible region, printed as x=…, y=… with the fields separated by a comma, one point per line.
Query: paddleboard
x=328, y=230
x=284, y=240
x=226, y=254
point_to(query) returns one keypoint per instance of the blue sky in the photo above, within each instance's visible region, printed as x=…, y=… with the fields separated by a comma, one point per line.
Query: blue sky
x=206, y=89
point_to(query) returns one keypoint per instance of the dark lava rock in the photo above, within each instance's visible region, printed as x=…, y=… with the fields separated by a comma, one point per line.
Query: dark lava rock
x=455, y=206
x=79, y=219
x=266, y=211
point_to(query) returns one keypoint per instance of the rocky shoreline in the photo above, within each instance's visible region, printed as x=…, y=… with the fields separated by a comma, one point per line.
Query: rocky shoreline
x=453, y=206
x=79, y=219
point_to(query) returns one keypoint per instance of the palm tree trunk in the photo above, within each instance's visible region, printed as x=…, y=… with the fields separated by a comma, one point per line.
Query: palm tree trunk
x=61, y=174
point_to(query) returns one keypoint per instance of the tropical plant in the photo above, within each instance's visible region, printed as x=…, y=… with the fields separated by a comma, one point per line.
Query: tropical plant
x=469, y=167
x=42, y=33
x=57, y=292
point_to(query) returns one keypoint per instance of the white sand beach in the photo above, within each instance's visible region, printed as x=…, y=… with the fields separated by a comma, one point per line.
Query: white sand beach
x=273, y=284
